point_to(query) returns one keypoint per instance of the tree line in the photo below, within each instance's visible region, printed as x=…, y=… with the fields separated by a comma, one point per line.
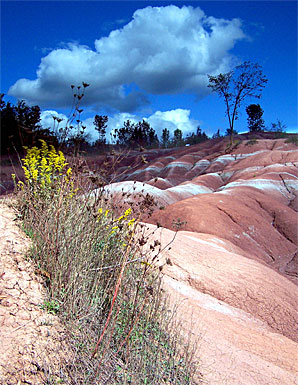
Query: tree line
x=21, y=127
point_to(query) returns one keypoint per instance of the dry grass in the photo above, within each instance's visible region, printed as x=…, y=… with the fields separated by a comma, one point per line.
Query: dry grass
x=104, y=287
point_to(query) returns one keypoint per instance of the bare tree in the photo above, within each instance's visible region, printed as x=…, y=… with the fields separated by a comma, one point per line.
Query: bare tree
x=245, y=80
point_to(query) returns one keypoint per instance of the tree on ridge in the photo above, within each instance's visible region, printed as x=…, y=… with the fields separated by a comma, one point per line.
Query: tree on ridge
x=254, y=119
x=100, y=125
x=165, y=137
x=246, y=80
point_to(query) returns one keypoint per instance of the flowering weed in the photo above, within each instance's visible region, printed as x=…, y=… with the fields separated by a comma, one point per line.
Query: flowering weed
x=107, y=291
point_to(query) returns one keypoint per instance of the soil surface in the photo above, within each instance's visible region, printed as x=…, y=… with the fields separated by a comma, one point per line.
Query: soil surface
x=31, y=338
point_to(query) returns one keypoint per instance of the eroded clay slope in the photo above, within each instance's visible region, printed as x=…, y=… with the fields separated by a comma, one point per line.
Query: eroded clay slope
x=32, y=344
x=242, y=313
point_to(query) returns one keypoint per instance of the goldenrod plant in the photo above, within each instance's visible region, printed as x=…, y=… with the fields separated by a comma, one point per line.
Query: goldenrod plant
x=104, y=287
x=43, y=167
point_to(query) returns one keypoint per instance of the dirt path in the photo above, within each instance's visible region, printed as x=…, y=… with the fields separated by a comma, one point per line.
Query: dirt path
x=31, y=339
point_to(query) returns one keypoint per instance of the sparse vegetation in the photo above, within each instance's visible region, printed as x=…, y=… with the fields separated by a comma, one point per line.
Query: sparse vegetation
x=278, y=126
x=51, y=306
x=251, y=142
x=100, y=279
x=232, y=146
x=292, y=139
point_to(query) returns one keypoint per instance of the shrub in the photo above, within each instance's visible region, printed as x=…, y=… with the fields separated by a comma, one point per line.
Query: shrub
x=100, y=281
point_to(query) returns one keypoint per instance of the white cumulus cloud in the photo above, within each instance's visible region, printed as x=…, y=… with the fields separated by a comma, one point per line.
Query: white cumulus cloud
x=162, y=50
x=178, y=118
x=47, y=121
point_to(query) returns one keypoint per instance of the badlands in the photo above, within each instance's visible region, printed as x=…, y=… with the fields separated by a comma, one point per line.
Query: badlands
x=233, y=265
x=231, y=269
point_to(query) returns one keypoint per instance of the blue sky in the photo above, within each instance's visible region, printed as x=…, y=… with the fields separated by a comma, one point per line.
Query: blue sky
x=148, y=59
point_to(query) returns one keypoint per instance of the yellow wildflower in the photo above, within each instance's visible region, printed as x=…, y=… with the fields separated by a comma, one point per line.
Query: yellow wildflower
x=127, y=212
x=131, y=222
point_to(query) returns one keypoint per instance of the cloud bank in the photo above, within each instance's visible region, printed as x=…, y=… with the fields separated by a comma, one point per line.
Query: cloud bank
x=162, y=50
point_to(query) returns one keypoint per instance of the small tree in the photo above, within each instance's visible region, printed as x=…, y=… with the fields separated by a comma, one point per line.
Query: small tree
x=279, y=126
x=245, y=80
x=123, y=134
x=199, y=137
x=165, y=137
x=216, y=135
x=100, y=125
x=255, y=120
x=177, y=137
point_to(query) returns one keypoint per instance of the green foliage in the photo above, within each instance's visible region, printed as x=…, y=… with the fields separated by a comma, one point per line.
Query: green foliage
x=100, y=125
x=216, y=135
x=199, y=137
x=51, y=306
x=177, y=140
x=136, y=134
x=255, y=120
x=165, y=138
x=20, y=126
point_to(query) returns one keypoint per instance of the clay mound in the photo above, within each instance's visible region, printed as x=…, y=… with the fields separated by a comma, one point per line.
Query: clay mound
x=263, y=144
x=160, y=183
x=261, y=226
x=243, y=313
x=183, y=164
x=132, y=191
